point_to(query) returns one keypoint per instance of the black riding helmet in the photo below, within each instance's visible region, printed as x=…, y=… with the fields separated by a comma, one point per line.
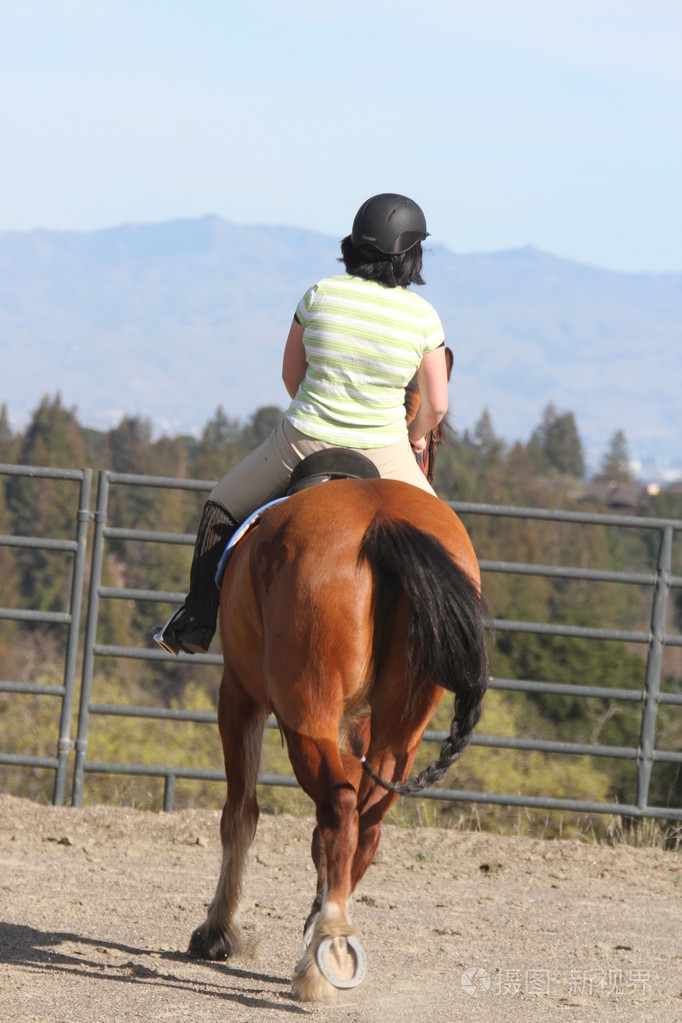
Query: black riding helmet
x=388, y=223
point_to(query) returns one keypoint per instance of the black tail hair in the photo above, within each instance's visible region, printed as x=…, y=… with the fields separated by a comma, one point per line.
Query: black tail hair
x=446, y=638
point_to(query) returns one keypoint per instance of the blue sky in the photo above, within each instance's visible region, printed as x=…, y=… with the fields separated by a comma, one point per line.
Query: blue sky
x=512, y=122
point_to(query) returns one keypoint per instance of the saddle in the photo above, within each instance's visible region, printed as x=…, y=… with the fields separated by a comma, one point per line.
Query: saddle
x=331, y=464
x=320, y=467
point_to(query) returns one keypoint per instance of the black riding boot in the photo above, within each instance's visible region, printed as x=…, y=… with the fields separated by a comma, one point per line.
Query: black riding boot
x=192, y=627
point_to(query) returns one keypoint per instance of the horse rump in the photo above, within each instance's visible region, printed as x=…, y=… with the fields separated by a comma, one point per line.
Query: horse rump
x=446, y=640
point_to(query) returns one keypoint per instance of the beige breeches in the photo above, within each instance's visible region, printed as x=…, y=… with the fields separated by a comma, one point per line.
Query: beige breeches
x=264, y=474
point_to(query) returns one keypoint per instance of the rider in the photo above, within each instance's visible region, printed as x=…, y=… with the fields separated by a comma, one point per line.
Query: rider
x=355, y=342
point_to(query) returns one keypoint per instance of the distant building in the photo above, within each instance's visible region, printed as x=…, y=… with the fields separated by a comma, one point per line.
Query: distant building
x=624, y=496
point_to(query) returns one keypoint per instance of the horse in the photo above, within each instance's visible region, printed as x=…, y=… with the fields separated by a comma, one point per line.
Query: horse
x=347, y=613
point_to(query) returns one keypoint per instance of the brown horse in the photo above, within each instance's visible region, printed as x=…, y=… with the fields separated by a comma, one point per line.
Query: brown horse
x=346, y=613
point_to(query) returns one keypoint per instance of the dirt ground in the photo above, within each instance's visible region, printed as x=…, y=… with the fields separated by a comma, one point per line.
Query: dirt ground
x=97, y=906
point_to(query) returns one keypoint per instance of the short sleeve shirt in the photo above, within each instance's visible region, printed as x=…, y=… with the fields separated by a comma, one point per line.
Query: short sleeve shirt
x=363, y=342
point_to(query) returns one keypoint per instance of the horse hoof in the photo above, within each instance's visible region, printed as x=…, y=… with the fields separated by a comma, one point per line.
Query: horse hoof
x=342, y=961
x=208, y=944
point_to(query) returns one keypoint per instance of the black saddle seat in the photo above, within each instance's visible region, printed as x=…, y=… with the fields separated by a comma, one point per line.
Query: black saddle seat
x=331, y=464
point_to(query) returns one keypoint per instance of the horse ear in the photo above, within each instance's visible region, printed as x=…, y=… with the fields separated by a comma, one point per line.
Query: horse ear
x=449, y=360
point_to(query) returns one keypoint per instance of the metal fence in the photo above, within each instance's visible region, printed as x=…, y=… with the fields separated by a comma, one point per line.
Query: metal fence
x=75, y=547
x=658, y=579
x=661, y=581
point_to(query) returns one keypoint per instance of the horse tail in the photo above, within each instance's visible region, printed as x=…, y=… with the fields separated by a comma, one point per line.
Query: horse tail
x=446, y=637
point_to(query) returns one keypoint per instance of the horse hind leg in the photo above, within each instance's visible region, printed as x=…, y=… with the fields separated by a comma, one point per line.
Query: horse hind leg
x=319, y=859
x=241, y=728
x=333, y=957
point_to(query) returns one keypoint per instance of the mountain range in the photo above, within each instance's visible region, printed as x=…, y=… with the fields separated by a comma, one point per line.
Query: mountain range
x=169, y=321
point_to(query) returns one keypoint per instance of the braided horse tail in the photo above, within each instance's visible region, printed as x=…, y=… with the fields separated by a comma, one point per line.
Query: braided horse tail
x=446, y=638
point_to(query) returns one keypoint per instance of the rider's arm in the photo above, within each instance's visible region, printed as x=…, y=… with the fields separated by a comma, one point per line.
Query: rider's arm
x=294, y=363
x=432, y=378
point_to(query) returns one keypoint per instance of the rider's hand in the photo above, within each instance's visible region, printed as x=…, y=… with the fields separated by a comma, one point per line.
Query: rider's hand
x=418, y=445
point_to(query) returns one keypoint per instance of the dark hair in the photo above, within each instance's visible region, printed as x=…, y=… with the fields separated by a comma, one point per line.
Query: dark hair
x=393, y=271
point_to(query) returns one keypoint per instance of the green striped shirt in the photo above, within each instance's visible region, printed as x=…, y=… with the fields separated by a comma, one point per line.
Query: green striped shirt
x=363, y=342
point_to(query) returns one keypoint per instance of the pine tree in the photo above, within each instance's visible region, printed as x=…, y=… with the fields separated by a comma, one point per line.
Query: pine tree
x=221, y=431
x=261, y=424
x=8, y=442
x=45, y=507
x=555, y=444
x=615, y=463
x=146, y=564
x=221, y=446
x=486, y=440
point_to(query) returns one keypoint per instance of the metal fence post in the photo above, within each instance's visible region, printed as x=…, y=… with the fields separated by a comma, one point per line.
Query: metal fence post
x=652, y=682
x=65, y=744
x=169, y=793
x=90, y=638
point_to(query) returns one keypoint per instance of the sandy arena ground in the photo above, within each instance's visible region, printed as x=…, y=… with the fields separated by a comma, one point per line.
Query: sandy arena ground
x=97, y=906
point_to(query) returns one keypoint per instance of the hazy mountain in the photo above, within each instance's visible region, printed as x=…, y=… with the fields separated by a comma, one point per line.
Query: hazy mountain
x=169, y=321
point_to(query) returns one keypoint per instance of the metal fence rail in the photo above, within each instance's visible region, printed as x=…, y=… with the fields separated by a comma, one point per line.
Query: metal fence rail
x=76, y=548
x=643, y=756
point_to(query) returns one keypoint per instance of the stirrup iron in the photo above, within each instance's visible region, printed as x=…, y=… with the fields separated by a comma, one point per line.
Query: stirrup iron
x=168, y=642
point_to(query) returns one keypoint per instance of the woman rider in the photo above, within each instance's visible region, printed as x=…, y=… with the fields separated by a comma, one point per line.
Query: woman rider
x=355, y=342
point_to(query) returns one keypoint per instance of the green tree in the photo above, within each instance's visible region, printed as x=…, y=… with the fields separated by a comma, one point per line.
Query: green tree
x=615, y=463
x=486, y=440
x=220, y=432
x=469, y=468
x=220, y=447
x=555, y=444
x=141, y=506
x=8, y=442
x=53, y=437
x=130, y=445
x=45, y=507
x=130, y=451
x=261, y=424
